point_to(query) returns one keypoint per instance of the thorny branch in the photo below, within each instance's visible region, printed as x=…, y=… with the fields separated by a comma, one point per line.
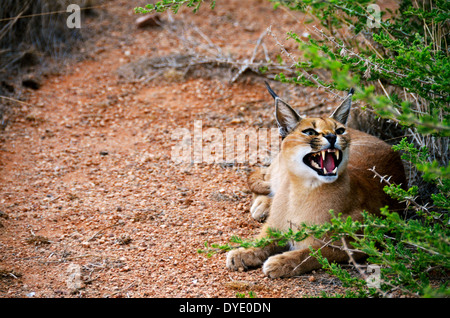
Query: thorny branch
x=409, y=200
x=345, y=51
x=304, y=72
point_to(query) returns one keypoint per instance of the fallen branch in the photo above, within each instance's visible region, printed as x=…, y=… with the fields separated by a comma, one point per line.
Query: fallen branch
x=201, y=53
x=247, y=65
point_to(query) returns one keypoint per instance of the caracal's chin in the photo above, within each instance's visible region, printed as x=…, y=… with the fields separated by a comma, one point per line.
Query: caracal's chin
x=327, y=179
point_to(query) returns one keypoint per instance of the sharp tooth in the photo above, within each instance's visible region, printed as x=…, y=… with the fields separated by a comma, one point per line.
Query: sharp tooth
x=324, y=171
x=315, y=165
x=335, y=170
x=323, y=154
x=337, y=154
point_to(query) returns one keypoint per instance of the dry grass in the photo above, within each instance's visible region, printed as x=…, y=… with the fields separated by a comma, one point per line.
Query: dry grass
x=33, y=29
x=34, y=42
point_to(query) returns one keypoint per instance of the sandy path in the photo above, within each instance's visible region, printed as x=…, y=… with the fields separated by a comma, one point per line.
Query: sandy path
x=88, y=186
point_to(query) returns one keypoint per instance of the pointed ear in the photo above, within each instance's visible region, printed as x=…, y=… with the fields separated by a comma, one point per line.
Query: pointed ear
x=287, y=118
x=342, y=112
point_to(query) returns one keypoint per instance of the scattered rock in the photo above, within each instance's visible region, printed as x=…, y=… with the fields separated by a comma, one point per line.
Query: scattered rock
x=37, y=240
x=124, y=240
x=85, y=244
x=149, y=20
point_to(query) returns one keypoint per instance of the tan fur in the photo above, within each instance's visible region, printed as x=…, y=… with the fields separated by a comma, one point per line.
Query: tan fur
x=300, y=195
x=258, y=181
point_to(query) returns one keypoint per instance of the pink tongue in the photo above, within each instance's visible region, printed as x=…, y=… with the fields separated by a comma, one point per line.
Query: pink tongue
x=329, y=162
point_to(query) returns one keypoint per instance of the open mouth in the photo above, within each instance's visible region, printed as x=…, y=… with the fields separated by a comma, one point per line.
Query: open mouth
x=324, y=162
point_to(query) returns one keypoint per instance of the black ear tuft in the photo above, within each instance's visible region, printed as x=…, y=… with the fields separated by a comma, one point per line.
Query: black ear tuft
x=287, y=118
x=351, y=91
x=274, y=95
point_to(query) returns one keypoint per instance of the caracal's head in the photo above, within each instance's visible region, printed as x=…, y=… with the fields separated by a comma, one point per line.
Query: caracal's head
x=314, y=149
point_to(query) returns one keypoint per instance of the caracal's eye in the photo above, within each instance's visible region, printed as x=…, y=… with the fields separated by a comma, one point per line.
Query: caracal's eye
x=340, y=131
x=310, y=132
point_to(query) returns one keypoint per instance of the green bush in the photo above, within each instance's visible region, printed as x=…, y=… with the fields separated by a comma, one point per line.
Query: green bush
x=401, y=71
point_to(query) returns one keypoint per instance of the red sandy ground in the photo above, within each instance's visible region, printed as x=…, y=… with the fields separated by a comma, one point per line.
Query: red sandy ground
x=87, y=178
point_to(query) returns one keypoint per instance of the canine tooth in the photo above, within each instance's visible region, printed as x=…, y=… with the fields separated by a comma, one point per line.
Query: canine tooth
x=335, y=170
x=337, y=154
x=323, y=154
x=324, y=171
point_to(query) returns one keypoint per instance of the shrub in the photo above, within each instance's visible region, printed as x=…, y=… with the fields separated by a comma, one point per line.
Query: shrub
x=400, y=68
x=34, y=28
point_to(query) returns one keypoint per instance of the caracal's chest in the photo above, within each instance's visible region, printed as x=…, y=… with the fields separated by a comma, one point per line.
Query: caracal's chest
x=294, y=203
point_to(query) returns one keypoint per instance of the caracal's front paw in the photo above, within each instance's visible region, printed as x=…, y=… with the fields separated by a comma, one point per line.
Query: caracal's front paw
x=260, y=208
x=280, y=266
x=243, y=258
